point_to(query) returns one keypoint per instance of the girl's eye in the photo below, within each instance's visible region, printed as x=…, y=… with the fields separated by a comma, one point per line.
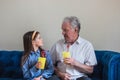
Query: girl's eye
x=38, y=38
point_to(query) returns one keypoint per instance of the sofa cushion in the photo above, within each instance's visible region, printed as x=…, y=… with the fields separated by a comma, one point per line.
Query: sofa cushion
x=110, y=68
x=107, y=67
x=10, y=64
x=9, y=79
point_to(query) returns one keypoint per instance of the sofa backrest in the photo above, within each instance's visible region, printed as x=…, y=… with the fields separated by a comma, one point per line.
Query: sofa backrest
x=107, y=67
x=10, y=64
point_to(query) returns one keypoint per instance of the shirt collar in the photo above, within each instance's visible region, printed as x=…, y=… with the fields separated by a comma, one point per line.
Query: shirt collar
x=77, y=41
x=38, y=51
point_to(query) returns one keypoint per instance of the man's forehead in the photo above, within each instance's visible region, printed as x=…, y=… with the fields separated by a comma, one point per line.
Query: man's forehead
x=66, y=25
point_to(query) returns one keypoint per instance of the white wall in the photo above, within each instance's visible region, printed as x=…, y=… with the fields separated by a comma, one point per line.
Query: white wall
x=100, y=21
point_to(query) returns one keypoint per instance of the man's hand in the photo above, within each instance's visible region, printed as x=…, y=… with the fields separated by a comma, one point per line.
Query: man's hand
x=79, y=66
x=69, y=61
x=62, y=75
x=65, y=76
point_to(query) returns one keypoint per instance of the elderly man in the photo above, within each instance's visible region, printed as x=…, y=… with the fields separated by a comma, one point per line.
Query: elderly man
x=81, y=57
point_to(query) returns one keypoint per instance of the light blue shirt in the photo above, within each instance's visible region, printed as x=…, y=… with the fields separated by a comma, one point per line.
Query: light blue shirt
x=30, y=71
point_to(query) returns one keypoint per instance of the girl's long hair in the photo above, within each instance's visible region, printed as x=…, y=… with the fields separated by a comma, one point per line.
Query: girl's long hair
x=27, y=43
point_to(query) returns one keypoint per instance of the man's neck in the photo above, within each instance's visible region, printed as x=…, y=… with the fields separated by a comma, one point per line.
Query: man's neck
x=76, y=37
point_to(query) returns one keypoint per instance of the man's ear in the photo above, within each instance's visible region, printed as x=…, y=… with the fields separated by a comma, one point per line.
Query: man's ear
x=76, y=29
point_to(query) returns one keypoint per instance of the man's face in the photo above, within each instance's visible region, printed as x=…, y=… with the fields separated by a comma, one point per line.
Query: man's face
x=68, y=32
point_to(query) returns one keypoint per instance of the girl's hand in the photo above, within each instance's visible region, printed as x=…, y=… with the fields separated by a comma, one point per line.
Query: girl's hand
x=39, y=78
x=38, y=65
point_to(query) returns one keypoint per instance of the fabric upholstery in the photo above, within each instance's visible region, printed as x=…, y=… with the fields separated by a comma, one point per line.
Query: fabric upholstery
x=10, y=64
x=118, y=71
x=108, y=67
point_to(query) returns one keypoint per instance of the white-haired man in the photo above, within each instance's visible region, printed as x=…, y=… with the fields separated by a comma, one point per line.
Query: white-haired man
x=82, y=56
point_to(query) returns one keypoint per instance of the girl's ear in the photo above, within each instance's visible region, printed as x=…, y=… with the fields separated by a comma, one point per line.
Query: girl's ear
x=33, y=42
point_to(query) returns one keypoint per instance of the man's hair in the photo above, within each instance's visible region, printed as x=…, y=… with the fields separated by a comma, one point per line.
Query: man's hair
x=74, y=22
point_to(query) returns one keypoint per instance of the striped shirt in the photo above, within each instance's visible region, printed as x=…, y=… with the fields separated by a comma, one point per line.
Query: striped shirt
x=81, y=50
x=30, y=71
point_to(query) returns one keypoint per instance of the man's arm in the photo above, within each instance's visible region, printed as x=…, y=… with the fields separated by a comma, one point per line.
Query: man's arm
x=79, y=66
x=63, y=76
x=83, y=68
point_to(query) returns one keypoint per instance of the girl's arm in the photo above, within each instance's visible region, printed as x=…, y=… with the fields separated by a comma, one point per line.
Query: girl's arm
x=49, y=67
x=30, y=73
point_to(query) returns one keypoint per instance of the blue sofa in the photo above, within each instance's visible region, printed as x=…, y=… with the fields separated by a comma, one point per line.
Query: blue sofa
x=10, y=65
x=108, y=67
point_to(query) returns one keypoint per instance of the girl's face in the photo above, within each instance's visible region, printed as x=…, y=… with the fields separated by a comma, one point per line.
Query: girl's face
x=38, y=42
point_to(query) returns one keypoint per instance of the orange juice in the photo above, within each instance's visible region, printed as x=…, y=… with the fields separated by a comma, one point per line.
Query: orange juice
x=42, y=60
x=66, y=54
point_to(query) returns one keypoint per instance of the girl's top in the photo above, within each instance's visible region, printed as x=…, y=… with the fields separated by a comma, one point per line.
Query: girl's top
x=30, y=71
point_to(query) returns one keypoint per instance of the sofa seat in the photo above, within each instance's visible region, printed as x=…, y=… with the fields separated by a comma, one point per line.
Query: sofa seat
x=9, y=79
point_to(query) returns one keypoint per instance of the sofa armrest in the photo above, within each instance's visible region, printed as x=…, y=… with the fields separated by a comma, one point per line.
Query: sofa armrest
x=110, y=62
x=118, y=74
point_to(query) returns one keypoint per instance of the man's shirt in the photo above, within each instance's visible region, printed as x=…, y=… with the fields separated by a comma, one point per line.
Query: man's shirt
x=81, y=50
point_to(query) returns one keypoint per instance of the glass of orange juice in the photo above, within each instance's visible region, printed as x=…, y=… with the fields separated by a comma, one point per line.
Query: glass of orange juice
x=42, y=60
x=66, y=54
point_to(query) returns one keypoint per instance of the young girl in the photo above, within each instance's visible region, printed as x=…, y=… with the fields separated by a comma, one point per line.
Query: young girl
x=32, y=50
